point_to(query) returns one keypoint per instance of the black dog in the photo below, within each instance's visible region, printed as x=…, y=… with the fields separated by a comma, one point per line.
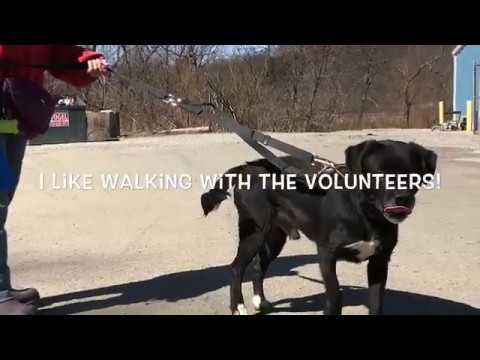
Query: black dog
x=351, y=225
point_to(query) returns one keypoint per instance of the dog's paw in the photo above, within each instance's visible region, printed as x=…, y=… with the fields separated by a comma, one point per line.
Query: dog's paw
x=241, y=310
x=261, y=304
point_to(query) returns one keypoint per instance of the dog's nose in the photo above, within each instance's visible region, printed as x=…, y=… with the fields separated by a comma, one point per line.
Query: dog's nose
x=404, y=200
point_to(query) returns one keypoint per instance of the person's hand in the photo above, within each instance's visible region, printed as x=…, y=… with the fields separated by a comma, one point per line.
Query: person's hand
x=97, y=67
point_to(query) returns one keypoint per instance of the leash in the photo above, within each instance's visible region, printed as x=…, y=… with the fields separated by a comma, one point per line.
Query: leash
x=254, y=138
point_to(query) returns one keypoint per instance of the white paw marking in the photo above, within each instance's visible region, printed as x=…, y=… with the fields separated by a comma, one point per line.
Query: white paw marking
x=241, y=310
x=257, y=302
x=365, y=248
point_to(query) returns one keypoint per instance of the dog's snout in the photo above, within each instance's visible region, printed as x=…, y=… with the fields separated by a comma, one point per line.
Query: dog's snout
x=404, y=200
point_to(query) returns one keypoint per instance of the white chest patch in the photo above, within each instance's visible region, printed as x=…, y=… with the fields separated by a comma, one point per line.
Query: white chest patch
x=365, y=248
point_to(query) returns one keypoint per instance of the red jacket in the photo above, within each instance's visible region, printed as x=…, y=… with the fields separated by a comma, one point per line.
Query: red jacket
x=46, y=54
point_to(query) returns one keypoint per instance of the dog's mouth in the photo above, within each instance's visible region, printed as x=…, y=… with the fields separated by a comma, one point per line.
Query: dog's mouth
x=396, y=213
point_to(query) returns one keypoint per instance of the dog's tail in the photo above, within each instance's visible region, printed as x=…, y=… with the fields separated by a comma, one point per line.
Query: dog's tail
x=212, y=199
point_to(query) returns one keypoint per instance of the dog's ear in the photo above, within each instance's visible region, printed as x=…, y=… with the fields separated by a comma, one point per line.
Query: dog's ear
x=354, y=155
x=427, y=158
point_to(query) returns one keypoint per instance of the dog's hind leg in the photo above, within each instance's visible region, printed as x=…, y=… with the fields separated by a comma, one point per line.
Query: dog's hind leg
x=251, y=240
x=274, y=242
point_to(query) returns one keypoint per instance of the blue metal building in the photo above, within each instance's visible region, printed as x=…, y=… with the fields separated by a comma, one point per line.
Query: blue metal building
x=466, y=80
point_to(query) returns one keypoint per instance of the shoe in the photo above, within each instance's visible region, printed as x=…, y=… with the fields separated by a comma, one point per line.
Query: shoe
x=15, y=307
x=26, y=296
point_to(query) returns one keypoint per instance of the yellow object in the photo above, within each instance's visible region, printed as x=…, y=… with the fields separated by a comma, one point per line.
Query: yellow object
x=469, y=116
x=8, y=127
x=441, y=112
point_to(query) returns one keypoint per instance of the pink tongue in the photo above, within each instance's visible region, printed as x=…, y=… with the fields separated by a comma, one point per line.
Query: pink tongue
x=397, y=210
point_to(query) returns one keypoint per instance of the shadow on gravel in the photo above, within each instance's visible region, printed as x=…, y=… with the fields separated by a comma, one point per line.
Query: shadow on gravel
x=194, y=283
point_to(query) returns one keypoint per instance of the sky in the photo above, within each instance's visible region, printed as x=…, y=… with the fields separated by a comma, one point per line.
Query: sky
x=230, y=49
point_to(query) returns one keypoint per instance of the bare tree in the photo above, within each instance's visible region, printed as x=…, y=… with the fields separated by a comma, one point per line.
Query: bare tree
x=374, y=62
x=409, y=76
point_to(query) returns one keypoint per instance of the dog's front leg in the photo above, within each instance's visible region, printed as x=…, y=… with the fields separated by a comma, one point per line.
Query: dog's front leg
x=377, y=279
x=328, y=268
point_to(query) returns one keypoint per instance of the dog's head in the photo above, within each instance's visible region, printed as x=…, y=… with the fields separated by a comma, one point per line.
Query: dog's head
x=391, y=157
